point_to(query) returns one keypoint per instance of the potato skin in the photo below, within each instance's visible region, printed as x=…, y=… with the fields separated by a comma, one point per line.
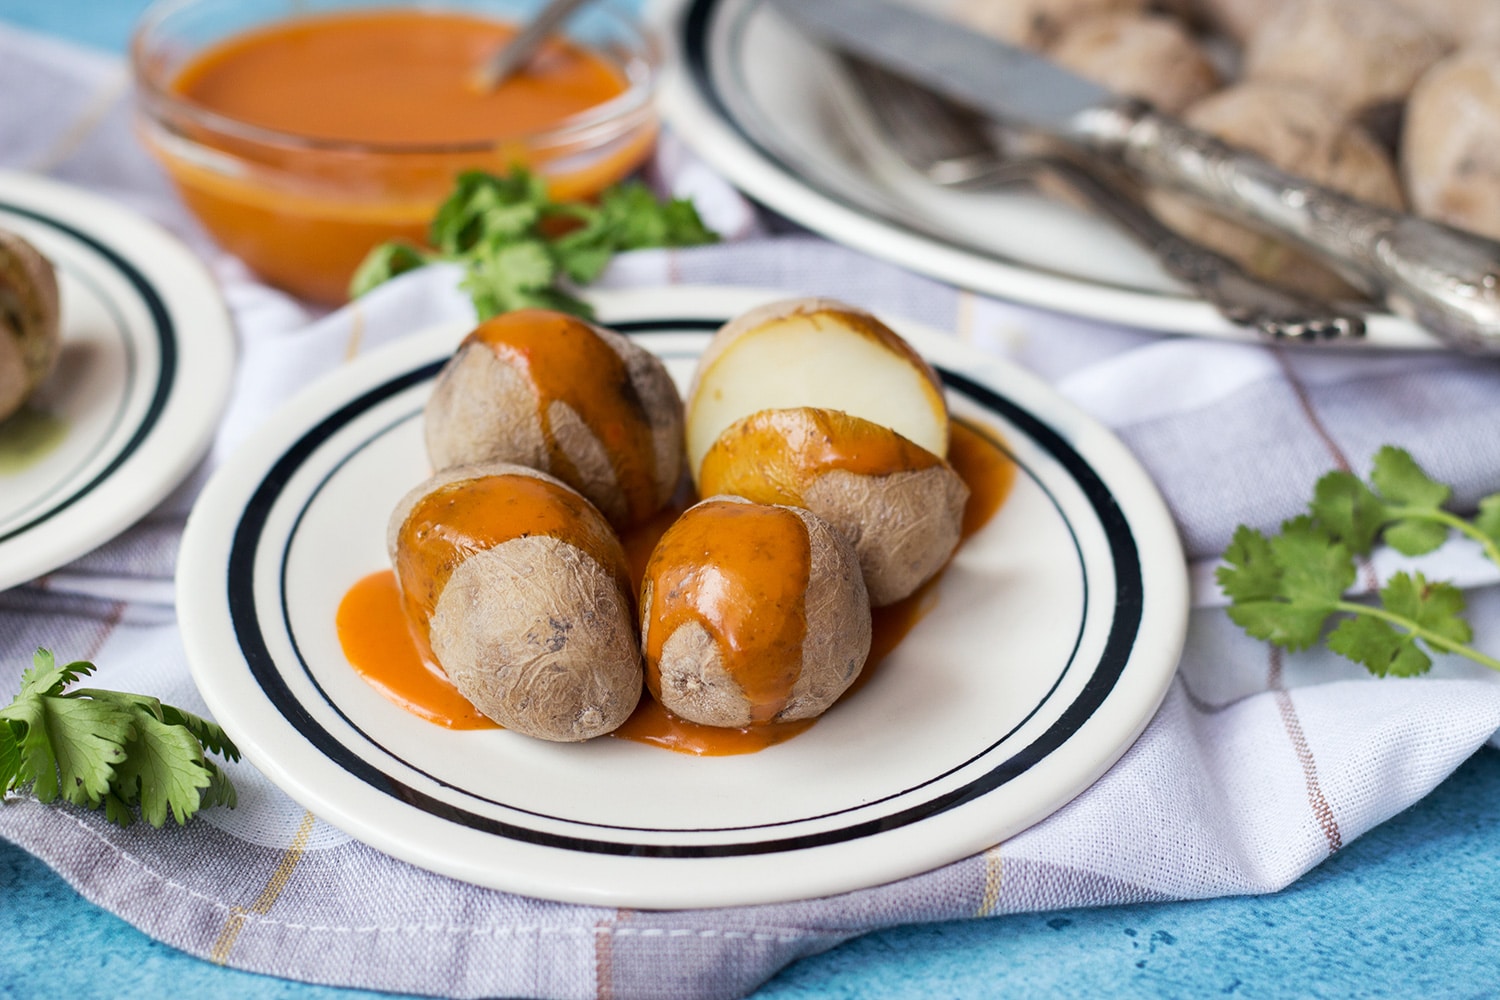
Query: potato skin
x=923, y=386
x=535, y=628
x=1148, y=56
x=568, y=397
x=698, y=674
x=30, y=334
x=899, y=505
x=1357, y=54
x=1450, y=153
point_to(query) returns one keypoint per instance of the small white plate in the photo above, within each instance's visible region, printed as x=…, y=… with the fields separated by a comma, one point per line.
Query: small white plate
x=1052, y=639
x=146, y=363
x=771, y=110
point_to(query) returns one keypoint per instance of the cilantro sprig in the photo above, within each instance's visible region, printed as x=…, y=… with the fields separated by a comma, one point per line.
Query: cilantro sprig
x=109, y=749
x=1285, y=588
x=520, y=249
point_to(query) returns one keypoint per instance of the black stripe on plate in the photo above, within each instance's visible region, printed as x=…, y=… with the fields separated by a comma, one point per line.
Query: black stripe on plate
x=1129, y=605
x=166, y=378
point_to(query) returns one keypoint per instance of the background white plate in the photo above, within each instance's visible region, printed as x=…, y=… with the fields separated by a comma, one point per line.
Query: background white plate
x=146, y=363
x=772, y=111
x=1052, y=640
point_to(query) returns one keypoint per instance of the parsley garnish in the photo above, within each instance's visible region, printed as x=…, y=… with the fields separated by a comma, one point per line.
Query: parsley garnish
x=1284, y=589
x=108, y=748
x=519, y=247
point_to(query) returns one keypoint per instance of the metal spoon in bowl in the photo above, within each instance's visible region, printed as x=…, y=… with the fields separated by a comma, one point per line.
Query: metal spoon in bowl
x=514, y=55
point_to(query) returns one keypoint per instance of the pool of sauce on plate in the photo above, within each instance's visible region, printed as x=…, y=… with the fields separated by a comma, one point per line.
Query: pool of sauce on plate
x=372, y=626
x=394, y=78
x=28, y=436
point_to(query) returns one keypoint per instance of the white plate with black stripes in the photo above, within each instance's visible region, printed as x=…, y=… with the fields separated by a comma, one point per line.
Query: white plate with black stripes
x=145, y=366
x=774, y=112
x=1049, y=643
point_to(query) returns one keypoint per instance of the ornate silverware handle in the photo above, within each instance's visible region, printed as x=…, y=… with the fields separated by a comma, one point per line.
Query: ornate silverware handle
x=1445, y=279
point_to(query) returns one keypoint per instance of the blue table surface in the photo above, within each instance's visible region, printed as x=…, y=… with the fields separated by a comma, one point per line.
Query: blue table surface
x=1410, y=909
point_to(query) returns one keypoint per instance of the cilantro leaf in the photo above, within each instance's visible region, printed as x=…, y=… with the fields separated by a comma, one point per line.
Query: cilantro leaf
x=109, y=749
x=1285, y=588
x=1487, y=521
x=517, y=245
x=1349, y=510
x=1379, y=646
x=1400, y=480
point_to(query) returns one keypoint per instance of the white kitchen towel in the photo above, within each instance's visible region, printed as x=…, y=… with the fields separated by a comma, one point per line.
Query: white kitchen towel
x=1257, y=767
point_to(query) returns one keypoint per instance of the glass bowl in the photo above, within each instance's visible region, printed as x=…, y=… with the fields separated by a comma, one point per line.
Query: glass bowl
x=302, y=210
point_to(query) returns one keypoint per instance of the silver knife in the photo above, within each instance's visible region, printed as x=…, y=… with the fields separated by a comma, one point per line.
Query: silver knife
x=1443, y=278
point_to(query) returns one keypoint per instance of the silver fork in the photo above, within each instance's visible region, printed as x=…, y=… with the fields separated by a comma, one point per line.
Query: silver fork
x=952, y=147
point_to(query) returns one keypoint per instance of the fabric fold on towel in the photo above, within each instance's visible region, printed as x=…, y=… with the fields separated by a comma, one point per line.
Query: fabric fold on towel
x=1258, y=766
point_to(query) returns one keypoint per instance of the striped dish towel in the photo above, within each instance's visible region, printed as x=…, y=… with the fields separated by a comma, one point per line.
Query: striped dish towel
x=1257, y=767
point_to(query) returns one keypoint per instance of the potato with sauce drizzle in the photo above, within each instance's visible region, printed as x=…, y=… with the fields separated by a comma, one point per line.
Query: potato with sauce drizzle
x=752, y=614
x=900, y=505
x=557, y=393
x=521, y=590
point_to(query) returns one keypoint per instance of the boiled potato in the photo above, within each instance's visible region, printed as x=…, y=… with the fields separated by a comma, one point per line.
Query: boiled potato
x=1358, y=54
x=521, y=590
x=1450, y=154
x=1461, y=22
x=1148, y=56
x=1300, y=133
x=1239, y=19
x=813, y=352
x=899, y=504
x=752, y=614
x=559, y=394
x=29, y=321
x=1036, y=24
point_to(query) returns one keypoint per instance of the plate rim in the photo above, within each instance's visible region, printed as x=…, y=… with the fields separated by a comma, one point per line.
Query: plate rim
x=1148, y=521
x=195, y=334
x=692, y=107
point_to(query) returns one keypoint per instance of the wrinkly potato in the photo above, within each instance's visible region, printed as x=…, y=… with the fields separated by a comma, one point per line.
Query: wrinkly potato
x=557, y=393
x=1359, y=54
x=521, y=590
x=1037, y=24
x=29, y=321
x=813, y=352
x=752, y=614
x=1298, y=132
x=1239, y=19
x=1461, y=22
x=1147, y=56
x=1450, y=153
x=900, y=505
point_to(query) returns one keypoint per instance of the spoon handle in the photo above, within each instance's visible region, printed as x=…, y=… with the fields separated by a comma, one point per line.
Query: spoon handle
x=512, y=57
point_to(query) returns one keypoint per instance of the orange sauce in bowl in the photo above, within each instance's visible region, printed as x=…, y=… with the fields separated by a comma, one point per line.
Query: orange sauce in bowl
x=378, y=644
x=371, y=115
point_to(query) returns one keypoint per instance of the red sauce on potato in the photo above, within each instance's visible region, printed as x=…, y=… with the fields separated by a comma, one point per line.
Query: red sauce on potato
x=567, y=362
x=740, y=570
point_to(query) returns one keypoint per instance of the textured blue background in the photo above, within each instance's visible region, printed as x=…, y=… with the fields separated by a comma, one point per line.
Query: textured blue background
x=1411, y=909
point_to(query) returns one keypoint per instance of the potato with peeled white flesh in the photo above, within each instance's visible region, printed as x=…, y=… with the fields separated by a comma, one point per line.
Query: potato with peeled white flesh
x=29, y=321
x=813, y=352
x=521, y=590
x=900, y=505
x=557, y=393
x=752, y=614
